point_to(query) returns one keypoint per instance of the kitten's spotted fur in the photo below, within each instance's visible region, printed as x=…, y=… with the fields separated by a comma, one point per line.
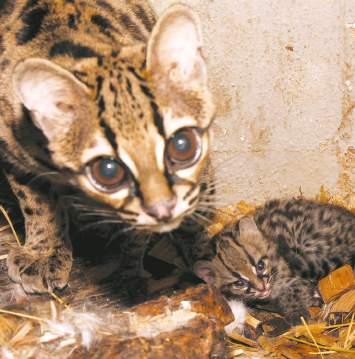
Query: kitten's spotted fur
x=276, y=257
x=99, y=97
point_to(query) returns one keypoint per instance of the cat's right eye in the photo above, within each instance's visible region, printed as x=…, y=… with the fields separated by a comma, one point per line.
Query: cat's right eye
x=260, y=265
x=106, y=174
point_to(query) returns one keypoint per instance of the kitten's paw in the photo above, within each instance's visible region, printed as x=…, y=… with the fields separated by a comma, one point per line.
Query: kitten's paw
x=275, y=326
x=294, y=318
x=39, y=274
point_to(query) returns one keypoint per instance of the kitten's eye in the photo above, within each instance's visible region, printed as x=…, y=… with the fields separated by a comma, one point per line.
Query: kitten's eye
x=240, y=283
x=107, y=174
x=260, y=265
x=184, y=148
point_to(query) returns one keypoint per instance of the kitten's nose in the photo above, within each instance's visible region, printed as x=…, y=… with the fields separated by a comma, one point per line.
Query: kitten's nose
x=162, y=210
x=265, y=293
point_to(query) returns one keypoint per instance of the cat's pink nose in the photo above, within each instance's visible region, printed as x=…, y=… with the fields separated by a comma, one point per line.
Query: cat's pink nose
x=264, y=293
x=162, y=211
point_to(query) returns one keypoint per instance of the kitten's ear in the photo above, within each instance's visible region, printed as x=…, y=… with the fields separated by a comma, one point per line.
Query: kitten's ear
x=174, y=49
x=52, y=94
x=205, y=271
x=247, y=226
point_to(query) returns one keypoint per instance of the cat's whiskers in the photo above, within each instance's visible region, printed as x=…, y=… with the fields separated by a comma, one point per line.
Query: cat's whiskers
x=109, y=212
x=73, y=197
x=44, y=174
x=102, y=222
x=214, y=189
x=205, y=208
x=273, y=274
x=214, y=205
x=87, y=209
x=209, y=212
x=210, y=195
x=95, y=214
x=82, y=205
x=171, y=236
x=208, y=179
x=95, y=210
x=215, y=193
x=200, y=217
x=119, y=232
x=212, y=181
x=197, y=220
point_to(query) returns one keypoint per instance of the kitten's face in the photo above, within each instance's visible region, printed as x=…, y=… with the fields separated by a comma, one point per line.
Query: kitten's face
x=131, y=130
x=242, y=266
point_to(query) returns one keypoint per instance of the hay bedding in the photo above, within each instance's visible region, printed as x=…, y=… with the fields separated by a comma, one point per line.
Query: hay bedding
x=94, y=317
x=89, y=320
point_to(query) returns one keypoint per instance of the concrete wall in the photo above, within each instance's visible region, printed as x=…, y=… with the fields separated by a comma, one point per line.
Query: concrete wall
x=282, y=72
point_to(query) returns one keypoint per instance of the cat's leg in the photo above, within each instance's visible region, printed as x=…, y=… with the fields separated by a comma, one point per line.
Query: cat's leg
x=193, y=245
x=44, y=262
x=132, y=255
x=295, y=296
x=131, y=276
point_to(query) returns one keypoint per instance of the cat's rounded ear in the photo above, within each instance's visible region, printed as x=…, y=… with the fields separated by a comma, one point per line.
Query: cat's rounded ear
x=205, y=271
x=52, y=94
x=175, y=48
x=247, y=226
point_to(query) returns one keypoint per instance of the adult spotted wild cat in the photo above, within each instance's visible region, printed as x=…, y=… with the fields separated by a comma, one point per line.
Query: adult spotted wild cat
x=99, y=97
x=276, y=257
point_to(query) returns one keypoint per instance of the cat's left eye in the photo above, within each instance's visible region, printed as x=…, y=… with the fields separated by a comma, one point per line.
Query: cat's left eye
x=106, y=174
x=183, y=148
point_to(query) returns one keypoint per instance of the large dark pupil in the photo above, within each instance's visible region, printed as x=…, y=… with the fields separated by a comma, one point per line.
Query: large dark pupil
x=182, y=143
x=261, y=265
x=108, y=168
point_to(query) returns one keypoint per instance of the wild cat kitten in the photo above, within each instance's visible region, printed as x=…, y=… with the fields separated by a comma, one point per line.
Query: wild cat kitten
x=276, y=257
x=99, y=98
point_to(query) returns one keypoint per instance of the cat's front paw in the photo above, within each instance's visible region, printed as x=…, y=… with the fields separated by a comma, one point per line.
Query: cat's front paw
x=294, y=317
x=39, y=274
x=275, y=326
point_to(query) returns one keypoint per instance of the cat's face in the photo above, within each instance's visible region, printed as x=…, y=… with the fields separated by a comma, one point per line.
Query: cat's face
x=130, y=129
x=242, y=266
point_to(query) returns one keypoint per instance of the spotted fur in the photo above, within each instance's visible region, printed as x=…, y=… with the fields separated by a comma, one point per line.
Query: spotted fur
x=83, y=80
x=276, y=257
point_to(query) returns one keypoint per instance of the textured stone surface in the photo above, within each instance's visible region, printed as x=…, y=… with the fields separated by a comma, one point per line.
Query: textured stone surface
x=283, y=77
